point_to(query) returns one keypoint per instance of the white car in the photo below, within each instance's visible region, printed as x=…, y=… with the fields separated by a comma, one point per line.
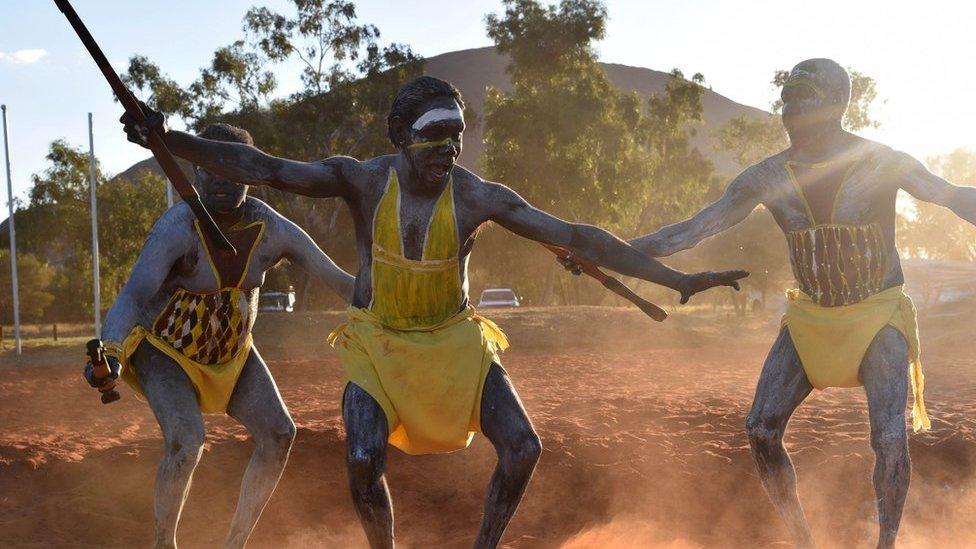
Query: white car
x=277, y=302
x=499, y=297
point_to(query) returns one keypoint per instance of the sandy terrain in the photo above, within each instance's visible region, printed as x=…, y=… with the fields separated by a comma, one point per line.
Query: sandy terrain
x=641, y=424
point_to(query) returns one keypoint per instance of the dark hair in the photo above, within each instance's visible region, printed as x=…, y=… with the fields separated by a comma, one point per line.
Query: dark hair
x=226, y=132
x=411, y=98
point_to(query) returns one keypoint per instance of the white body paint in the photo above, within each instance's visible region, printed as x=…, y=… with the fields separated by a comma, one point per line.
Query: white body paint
x=438, y=115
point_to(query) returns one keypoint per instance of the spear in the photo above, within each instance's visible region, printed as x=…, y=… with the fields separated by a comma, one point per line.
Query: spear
x=159, y=150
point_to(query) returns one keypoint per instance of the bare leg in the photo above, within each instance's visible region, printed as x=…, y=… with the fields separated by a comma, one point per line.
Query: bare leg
x=884, y=372
x=174, y=402
x=366, y=436
x=783, y=385
x=505, y=423
x=257, y=404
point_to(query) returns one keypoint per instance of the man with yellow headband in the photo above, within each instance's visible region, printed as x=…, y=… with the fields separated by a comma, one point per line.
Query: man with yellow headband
x=422, y=367
x=849, y=323
x=181, y=332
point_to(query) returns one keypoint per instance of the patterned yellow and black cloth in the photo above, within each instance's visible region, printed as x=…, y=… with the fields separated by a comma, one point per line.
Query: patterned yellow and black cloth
x=206, y=328
x=207, y=333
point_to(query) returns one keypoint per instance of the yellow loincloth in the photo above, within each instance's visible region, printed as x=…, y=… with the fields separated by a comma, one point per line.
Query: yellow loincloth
x=831, y=341
x=214, y=384
x=428, y=381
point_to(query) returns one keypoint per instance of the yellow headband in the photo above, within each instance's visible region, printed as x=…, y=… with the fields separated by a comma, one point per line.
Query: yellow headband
x=426, y=144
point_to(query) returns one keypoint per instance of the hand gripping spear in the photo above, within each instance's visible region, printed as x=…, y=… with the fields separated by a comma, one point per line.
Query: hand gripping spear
x=591, y=269
x=165, y=158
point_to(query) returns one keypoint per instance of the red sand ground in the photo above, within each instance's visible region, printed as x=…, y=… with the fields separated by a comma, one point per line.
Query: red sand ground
x=641, y=424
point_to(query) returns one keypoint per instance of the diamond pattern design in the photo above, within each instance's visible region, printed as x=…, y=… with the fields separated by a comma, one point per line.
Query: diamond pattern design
x=206, y=328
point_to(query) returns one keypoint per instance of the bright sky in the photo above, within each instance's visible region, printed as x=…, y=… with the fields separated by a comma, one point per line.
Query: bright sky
x=919, y=52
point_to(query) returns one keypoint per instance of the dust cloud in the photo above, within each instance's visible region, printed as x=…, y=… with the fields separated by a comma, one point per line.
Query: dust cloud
x=641, y=425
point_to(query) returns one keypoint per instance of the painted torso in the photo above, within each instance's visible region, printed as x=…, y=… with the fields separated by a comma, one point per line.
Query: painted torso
x=839, y=221
x=193, y=276
x=211, y=327
x=369, y=183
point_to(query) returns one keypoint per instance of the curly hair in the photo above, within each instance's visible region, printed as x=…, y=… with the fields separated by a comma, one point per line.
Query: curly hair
x=226, y=132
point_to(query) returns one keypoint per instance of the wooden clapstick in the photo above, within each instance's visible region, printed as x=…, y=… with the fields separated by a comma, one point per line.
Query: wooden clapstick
x=591, y=269
x=101, y=372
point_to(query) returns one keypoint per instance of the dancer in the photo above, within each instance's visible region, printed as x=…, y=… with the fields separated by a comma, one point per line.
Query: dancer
x=180, y=330
x=422, y=367
x=849, y=323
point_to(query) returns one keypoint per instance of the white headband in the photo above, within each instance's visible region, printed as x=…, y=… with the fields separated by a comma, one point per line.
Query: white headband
x=438, y=115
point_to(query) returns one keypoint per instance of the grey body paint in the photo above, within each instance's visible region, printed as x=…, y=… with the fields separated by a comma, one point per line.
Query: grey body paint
x=868, y=195
x=423, y=173
x=504, y=423
x=174, y=257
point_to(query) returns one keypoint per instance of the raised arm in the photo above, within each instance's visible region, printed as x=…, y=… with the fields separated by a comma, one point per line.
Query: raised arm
x=740, y=199
x=246, y=164
x=511, y=211
x=924, y=185
x=166, y=244
x=300, y=249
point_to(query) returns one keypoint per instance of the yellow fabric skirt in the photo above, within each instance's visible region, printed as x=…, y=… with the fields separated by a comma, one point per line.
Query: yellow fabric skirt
x=831, y=341
x=428, y=381
x=214, y=384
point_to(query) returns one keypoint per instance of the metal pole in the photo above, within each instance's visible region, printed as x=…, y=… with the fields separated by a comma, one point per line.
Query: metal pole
x=13, y=236
x=169, y=196
x=94, y=221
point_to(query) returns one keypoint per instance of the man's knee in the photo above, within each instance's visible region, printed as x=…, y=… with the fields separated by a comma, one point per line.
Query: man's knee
x=522, y=452
x=365, y=466
x=183, y=445
x=892, y=439
x=280, y=438
x=763, y=432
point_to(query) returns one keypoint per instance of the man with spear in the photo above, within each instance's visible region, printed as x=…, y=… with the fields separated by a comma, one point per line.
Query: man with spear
x=422, y=367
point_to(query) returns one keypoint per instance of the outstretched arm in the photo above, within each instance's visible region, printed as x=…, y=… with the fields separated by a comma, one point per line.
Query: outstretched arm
x=304, y=252
x=246, y=164
x=251, y=166
x=740, y=199
x=595, y=244
x=166, y=244
x=924, y=185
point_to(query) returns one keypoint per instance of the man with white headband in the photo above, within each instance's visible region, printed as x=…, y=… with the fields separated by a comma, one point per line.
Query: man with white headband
x=422, y=367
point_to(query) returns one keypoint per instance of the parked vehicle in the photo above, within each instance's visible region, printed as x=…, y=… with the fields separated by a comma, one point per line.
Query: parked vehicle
x=277, y=302
x=499, y=297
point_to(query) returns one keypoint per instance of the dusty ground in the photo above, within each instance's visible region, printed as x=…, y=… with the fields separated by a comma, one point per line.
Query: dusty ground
x=641, y=424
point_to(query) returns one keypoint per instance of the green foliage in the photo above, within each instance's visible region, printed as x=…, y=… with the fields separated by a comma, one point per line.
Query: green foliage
x=571, y=143
x=34, y=281
x=165, y=93
x=335, y=51
x=750, y=140
x=935, y=232
x=546, y=42
x=323, y=35
x=680, y=176
x=127, y=211
x=348, y=80
x=56, y=226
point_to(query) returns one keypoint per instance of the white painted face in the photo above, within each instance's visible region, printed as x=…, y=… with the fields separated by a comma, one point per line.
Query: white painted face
x=438, y=115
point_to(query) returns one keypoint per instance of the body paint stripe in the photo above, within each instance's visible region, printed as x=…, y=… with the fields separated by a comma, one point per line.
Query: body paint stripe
x=437, y=115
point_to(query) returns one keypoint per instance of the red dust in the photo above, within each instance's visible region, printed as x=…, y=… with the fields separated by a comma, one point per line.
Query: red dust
x=641, y=424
